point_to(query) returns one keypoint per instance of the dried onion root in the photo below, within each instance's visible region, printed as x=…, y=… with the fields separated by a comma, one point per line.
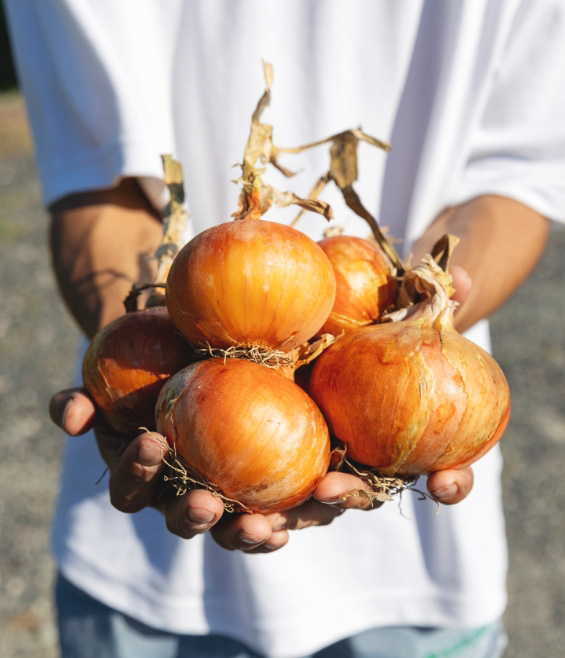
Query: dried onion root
x=382, y=488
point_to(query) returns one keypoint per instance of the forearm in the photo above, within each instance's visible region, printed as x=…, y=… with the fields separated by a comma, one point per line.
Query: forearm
x=501, y=240
x=100, y=244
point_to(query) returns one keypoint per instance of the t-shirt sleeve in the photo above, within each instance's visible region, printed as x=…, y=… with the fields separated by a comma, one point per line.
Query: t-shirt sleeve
x=97, y=82
x=518, y=149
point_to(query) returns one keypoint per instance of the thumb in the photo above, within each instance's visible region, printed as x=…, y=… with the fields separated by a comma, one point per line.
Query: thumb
x=462, y=284
x=72, y=410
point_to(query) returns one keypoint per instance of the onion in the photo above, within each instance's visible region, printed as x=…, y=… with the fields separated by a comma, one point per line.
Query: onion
x=128, y=361
x=365, y=286
x=413, y=396
x=250, y=283
x=245, y=431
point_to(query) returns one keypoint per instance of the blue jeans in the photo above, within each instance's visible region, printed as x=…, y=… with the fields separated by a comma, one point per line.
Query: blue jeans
x=89, y=629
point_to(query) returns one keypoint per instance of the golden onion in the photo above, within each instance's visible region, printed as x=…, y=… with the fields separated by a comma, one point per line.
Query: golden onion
x=246, y=431
x=250, y=283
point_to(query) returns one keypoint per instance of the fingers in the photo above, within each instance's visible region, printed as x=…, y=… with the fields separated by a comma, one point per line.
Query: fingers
x=450, y=487
x=265, y=533
x=137, y=476
x=447, y=487
x=136, y=482
x=136, y=469
x=249, y=532
x=194, y=513
x=336, y=489
x=461, y=283
x=73, y=411
x=310, y=514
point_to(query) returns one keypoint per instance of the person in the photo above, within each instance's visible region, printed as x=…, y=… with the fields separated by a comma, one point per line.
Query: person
x=470, y=96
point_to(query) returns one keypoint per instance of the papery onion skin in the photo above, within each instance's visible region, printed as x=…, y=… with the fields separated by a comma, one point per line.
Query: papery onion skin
x=128, y=361
x=409, y=398
x=365, y=286
x=247, y=430
x=250, y=283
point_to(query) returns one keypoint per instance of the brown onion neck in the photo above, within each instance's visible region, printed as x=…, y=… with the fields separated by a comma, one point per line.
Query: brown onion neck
x=251, y=206
x=426, y=290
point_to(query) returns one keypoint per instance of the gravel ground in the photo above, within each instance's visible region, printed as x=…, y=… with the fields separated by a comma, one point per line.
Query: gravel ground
x=37, y=343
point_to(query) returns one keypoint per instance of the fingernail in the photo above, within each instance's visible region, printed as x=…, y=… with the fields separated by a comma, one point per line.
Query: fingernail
x=199, y=516
x=446, y=492
x=244, y=538
x=149, y=454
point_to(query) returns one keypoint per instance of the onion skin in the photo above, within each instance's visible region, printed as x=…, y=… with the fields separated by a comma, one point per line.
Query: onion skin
x=128, y=361
x=247, y=430
x=411, y=397
x=365, y=286
x=250, y=283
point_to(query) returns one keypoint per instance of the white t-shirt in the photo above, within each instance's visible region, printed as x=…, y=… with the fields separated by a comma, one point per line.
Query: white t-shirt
x=471, y=96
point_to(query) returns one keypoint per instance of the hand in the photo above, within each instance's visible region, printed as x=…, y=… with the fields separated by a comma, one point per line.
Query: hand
x=462, y=284
x=270, y=531
x=136, y=469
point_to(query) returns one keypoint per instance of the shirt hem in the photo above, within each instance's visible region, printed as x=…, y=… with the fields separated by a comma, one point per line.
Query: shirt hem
x=190, y=617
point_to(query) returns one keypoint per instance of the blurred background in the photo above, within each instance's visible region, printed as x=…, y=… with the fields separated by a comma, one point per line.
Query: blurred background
x=37, y=347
